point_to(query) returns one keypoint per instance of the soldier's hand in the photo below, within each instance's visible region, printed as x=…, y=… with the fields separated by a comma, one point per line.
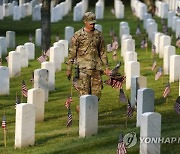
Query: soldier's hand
x=68, y=74
x=107, y=72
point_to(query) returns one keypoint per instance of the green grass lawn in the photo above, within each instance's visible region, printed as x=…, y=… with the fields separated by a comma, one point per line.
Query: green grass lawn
x=51, y=135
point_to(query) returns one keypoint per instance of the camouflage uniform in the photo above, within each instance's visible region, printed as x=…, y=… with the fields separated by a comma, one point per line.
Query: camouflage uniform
x=88, y=50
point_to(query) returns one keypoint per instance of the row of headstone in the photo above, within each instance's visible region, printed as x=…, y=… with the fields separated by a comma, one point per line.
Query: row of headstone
x=28, y=113
x=60, y=10
x=161, y=9
x=173, y=5
x=7, y=42
x=119, y=9
x=174, y=23
x=79, y=10
x=18, y=12
x=20, y=57
x=138, y=8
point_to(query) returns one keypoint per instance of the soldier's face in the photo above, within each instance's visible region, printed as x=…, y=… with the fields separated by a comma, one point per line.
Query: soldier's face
x=89, y=26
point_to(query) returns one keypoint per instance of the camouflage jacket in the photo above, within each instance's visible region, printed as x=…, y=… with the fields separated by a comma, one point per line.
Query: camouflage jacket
x=88, y=49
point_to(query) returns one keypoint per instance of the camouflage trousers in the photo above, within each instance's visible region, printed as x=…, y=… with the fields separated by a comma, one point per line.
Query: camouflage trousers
x=90, y=83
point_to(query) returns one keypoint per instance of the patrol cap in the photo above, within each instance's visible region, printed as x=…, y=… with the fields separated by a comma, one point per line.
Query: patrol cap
x=90, y=17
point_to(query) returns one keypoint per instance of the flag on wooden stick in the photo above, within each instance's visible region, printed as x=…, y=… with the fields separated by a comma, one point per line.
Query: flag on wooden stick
x=24, y=89
x=68, y=102
x=69, y=120
x=3, y=122
x=159, y=73
x=153, y=66
x=129, y=110
x=167, y=90
x=121, y=149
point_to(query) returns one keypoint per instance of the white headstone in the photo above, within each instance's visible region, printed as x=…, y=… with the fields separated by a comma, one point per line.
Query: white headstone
x=129, y=56
x=24, y=55
x=11, y=39
x=1, y=13
x=133, y=70
x=165, y=8
x=77, y=13
x=168, y=52
x=99, y=10
x=41, y=81
x=61, y=47
x=145, y=103
x=55, y=55
x=164, y=41
x=38, y=37
x=119, y=10
x=171, y=14
x=36, y=13
x=51, y=76
x=178, y=28
x=152, y=29
x=16, y=13
x=146, y=16
x=121, y=24
x=157, y=41
x=30, y=49
x=88, y=117
x=14, y=63
x=129, y=45
x=25, y=125
x=3, y=45
x=123, y=38
x=65, y=43
x=36, y=96
x=124, y=30
x=150, y=128
x=174, y=23
x=174, y=68
x=69, y=32
x=4, y=80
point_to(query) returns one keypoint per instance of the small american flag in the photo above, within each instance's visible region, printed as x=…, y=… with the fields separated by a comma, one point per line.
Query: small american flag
x=4, y=122
x=7, y=59
x=69, y=120
x=115, y=45
x=24, y=89
x=121, y=149
x=68, y=102
x=129, y=110
x=144, y=43
x=17, y=101
x=178, y=42
x=48, y=53
x=158, y=74
x=177, y=107
x=42, y=58
x=122, y=96
x=153, y=66
x=167, y=90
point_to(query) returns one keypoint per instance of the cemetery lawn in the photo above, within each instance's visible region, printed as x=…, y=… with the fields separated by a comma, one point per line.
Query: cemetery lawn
x=51, y=135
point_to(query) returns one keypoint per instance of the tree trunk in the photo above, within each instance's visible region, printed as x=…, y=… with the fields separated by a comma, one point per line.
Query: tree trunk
x=45, y=24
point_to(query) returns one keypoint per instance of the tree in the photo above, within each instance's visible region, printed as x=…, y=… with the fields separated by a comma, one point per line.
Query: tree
x=46, y=25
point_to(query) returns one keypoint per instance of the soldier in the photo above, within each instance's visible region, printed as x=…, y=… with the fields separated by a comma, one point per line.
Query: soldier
x=87, y=50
